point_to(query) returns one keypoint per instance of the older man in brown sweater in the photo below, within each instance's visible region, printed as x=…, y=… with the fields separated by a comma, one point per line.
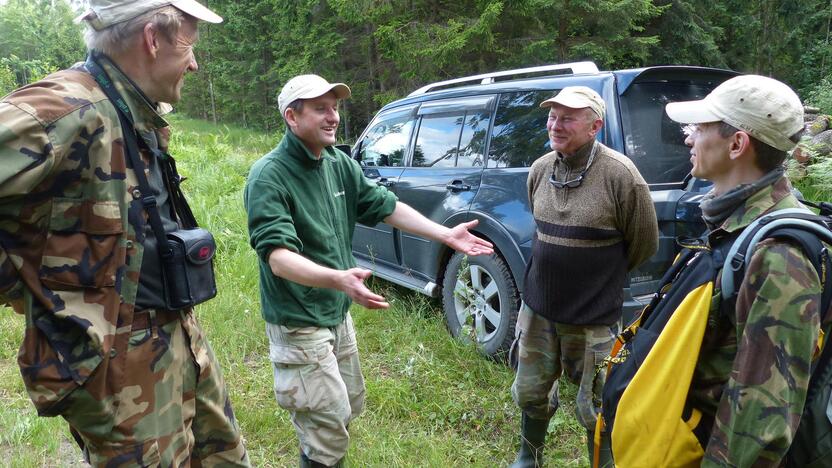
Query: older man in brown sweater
x=595, y=222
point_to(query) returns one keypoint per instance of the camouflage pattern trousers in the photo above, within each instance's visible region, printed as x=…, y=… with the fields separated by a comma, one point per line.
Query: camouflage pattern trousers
x=545, y=350
x=173, y=407
x=317, y=378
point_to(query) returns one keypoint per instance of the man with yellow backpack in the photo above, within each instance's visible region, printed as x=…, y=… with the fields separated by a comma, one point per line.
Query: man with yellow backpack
x=711, y=377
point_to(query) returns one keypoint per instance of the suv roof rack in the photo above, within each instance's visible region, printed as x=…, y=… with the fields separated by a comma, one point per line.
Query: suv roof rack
x=573, y=68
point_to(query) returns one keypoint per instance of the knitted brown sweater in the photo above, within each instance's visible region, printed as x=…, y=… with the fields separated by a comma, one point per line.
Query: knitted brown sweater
x=587, y=237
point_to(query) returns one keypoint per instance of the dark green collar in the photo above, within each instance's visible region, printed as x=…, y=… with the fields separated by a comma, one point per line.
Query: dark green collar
x=294, y=147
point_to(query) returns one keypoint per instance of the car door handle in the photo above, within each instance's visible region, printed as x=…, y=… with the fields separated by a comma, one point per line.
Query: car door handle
x=457, y=186
x=385, y=182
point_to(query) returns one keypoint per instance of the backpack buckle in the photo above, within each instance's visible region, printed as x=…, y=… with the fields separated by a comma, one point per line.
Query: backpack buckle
x=737, y=262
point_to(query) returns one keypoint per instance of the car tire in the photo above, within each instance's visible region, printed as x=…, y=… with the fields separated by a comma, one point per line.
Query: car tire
x=481, y=302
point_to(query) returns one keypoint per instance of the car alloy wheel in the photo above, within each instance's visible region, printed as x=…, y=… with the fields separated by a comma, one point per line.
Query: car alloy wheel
x=481, y=301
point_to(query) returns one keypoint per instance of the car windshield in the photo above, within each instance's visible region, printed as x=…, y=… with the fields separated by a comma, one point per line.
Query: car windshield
x=655, y=143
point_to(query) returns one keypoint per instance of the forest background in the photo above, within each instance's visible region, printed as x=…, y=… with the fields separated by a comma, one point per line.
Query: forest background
x=384, y=49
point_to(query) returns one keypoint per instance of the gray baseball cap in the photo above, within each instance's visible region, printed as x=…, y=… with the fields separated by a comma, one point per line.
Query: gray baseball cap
x=765, y=108
x=104, y=13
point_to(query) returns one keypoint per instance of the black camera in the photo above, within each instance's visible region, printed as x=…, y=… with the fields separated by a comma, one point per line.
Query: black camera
x=188, y=268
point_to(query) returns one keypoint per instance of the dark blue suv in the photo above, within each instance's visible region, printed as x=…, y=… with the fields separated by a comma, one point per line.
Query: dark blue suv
x=461, y=149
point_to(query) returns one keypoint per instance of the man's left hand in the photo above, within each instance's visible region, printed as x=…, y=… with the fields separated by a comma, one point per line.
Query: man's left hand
x=459, y=238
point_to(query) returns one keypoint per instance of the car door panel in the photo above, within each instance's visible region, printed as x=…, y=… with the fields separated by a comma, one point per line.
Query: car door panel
x=445, y=169
x=382, y=152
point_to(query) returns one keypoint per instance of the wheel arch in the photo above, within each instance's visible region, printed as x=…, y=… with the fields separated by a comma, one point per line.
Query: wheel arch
x=492, y=231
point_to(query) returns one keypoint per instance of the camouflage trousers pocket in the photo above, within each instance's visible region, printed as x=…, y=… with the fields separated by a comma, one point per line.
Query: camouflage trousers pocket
x=92, y=416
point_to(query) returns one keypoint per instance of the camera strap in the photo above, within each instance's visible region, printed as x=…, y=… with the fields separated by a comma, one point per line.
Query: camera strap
x=177, y=198
x=131, y=141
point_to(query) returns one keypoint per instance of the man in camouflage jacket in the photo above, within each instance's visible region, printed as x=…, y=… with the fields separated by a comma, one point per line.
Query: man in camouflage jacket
x=138, y=384
x=753, y=371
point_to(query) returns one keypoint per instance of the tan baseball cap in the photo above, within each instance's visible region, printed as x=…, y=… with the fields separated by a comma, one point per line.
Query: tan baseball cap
x=309, y=87
x=104, y=13
x=578, y=97
x=765, y=108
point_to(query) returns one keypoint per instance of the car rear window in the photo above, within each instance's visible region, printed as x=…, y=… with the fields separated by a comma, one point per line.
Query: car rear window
x=653, y=141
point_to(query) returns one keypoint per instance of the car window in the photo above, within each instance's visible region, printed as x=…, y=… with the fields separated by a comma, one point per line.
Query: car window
x=385, y=143
x=519, y=135
x=438, y=140
x=653, y=141
x=472, y=142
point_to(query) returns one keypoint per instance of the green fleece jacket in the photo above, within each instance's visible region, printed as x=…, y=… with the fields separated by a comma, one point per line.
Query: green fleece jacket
x=308, y=205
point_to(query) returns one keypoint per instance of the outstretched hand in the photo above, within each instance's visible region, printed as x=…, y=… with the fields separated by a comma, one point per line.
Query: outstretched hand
x=352, y=282
x=459, y=238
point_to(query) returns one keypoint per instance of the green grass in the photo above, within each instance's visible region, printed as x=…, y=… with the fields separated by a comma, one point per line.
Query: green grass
x=431, y=400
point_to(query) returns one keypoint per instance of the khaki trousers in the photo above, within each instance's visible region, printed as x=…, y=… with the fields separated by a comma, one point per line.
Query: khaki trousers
x=317, y=378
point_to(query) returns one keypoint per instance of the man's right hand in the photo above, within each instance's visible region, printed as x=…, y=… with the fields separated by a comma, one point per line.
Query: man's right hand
x=352, y=283
x=295, y=267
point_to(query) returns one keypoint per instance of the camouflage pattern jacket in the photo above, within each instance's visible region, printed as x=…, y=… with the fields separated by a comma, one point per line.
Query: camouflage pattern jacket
x=755, y=363
x=70, y=225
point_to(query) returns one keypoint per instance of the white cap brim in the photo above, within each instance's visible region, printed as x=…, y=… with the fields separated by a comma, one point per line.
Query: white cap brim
x=197, y=10
x=691, y=112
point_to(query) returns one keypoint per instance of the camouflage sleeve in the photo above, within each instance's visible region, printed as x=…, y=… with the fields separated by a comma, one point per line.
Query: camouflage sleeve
x=26, y=155
x=778, y=324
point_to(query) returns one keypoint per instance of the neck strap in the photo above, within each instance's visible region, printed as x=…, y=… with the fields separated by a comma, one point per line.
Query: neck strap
x=131, y=141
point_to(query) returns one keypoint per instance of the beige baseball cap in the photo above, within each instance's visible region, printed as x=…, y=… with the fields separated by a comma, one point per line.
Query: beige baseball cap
x=104, y=13
x=309, y=87
x=765, y=108
x=578, y=97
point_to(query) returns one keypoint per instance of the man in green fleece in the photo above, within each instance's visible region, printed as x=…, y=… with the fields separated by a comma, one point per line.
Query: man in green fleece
x=303, y=200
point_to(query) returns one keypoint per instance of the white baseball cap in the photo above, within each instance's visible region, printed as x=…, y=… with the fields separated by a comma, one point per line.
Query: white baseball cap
x=104, y=13
x=765, y=108
x=578, y=97
x=309, y=87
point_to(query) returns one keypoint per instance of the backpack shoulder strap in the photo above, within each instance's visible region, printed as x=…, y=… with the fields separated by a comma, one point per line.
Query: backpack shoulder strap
x=743, y=247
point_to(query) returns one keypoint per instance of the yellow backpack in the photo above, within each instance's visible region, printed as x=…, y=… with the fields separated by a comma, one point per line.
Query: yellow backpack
x=651, y=365
x=644, y=396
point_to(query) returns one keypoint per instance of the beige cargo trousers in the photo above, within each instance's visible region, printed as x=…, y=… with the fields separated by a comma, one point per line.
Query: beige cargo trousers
x=317, y=378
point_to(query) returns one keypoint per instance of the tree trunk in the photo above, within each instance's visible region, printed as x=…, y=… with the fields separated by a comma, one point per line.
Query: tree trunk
x=563, y=24
x=213, y=100
x=828, y=24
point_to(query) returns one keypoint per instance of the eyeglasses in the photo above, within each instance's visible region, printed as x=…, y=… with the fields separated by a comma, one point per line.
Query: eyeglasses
x=568, y=183
x=576, y=181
